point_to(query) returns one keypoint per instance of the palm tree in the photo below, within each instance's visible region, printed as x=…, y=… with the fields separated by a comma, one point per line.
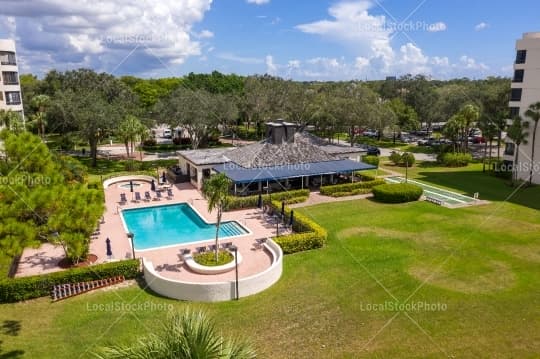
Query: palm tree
x=188, y=334
x=518, y=134
x=40, y=103
x=216, y=191
x=534, y=114
x=129, y=131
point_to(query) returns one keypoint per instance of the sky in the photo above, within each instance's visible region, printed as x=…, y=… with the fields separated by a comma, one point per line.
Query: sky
x=293, y=39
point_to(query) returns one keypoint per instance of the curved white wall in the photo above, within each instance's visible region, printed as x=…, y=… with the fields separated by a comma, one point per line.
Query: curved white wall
x=113, y=180
x=216, y=291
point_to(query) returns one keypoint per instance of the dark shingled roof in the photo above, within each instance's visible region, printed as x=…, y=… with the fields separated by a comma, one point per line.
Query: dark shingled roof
x=306, y=148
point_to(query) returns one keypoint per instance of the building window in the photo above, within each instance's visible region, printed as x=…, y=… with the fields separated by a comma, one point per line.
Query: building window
x=509, y=149
x=1, y=96
x=518, y=76
x=7, y=58
x=521, y=56
x=514, y=112
x=10, y=78
x=13, y=98
x=515, y=95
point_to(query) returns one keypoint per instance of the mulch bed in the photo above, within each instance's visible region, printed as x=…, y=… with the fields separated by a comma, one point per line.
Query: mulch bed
x=66, y=263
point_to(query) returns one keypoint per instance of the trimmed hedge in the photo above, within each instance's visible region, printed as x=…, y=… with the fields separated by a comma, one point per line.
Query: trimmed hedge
x=397, y=192
x=354, y=192
x=450, y=159
x=350, y=187
x=295, y=196
x=309, y=235
x=24, y=288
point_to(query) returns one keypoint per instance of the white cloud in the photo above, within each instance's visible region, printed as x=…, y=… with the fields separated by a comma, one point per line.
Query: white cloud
x=241, y=59
x=205, y=34
x=271, y=67
x=369, y=38
x=258, y=2
x=471, y=64
x=481, y=26
x=101, y=33
x=436, y=27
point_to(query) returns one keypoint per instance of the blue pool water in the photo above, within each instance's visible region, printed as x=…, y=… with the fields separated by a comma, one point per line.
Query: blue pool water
x=173, y=224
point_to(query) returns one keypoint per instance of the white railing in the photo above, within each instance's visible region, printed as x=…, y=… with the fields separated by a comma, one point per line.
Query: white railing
x=216, y=291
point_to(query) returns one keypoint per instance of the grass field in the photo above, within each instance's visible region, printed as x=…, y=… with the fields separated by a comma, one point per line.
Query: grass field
x=478, y=268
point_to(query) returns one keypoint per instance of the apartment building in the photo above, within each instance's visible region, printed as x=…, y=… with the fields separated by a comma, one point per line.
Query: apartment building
x=524, y=92
x=10, y=88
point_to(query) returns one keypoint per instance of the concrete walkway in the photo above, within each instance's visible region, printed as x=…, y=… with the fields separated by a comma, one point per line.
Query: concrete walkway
x=317, y=198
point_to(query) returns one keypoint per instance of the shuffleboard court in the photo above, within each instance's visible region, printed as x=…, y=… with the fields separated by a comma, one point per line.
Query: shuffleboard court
x=443, y=195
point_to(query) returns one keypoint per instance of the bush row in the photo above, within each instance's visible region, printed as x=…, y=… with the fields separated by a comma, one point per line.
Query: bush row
x=309, y=235
x=450, y=159
x=23, y=288
x=349, y=187
x=354, y=192
x=397, y=192
x=295, y=196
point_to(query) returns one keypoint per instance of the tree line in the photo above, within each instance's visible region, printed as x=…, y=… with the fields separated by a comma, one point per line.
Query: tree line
x=96, y=105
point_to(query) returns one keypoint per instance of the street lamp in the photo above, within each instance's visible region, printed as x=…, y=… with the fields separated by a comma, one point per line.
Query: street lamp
x=131, y=236
x=235, y=250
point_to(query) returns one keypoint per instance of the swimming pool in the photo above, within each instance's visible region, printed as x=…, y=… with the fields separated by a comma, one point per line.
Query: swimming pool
x=173, y=224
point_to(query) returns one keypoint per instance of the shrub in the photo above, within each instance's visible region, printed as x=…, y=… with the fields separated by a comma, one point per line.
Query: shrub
x=404, y=159
x=309, y=235
x=349, y=187
x=365, y=177
x=395, y=158
x=397, y=192
x=149, y=142
x=209, y=258
x=295, y=196
x=407, y=159
x=371, y=160
x=456, y=159
x=23, y=288
x=353, y=192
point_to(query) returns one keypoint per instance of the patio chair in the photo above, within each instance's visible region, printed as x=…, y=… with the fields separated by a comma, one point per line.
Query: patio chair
x=158, y=196
x=212, y=247
x=170, y=193
x=201, y=249
x=183, y=253
x=123, y=198
x=137, y=196
x=147, y=196
x=226, y=245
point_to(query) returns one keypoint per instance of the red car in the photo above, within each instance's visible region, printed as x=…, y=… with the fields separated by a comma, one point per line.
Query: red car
x=478, y=139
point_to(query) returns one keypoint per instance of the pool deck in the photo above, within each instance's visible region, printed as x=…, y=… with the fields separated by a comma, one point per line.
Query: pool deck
x=166, y=260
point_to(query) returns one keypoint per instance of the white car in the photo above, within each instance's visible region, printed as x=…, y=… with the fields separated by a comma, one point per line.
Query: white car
x=167, y=133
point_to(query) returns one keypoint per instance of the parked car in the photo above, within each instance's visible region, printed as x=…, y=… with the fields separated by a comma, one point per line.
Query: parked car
x=478, y=139
x=373, y=151
x=422, y=142
x=370, y=133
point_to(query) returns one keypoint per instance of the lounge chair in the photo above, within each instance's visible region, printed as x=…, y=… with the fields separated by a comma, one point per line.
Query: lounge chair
x=158, y=196
x=183, y=253
x=201, y=249
x=147, y=196
x=137, y=196
x=123, y=198
x=212, y=247
x=226, y=245
x=170, y=193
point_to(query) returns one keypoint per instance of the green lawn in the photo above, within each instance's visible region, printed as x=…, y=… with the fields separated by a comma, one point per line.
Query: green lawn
x=471, y=179
x=480, y=266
